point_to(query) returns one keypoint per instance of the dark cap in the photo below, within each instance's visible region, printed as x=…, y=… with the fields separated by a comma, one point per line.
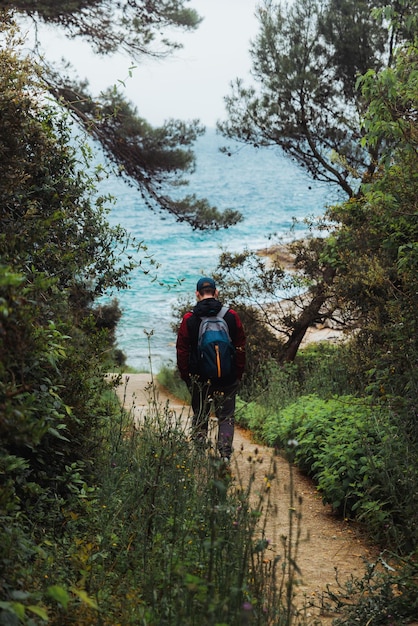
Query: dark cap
x=205, y=282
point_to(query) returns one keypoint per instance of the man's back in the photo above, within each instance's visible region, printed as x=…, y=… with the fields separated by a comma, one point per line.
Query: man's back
x=187, y=340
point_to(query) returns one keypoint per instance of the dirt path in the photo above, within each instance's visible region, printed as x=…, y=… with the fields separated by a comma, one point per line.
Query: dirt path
x=327, y=543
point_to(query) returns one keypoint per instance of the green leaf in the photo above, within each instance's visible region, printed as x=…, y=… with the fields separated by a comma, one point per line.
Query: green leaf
x=39, y=611
x=54, y=431
x=59, y=594
x=18, y=608
x=85, y=598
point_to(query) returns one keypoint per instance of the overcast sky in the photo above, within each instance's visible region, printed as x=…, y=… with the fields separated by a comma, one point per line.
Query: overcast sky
x=193, y=82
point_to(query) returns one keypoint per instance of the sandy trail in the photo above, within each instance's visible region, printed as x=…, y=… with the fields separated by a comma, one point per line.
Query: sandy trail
x=327, y=543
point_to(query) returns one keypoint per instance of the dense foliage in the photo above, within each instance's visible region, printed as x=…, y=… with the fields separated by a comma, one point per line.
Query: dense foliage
x=344, y=444
x=167, y=541
x=58, y=255
x=375, y=247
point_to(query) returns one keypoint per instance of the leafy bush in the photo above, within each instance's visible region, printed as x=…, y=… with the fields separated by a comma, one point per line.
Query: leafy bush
x=58, y=255
x=319, y=368
x=386, y=594
x=356, y=453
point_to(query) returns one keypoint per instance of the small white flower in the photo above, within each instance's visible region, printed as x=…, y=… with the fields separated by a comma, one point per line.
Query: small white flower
x=293, y=443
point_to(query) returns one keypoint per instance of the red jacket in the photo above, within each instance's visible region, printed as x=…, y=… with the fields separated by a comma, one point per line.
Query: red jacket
x=186, y=346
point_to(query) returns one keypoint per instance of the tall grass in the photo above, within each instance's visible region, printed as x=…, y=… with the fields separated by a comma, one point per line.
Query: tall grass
x=168, y=536
x=170, y=379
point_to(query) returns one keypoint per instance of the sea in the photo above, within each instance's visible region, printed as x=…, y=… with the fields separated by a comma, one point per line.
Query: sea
x=272, y=193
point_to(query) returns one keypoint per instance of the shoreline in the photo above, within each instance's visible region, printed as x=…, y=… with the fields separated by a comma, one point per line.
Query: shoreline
x=279, y=253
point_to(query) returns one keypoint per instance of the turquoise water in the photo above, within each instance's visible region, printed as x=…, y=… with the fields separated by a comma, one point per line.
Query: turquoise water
x=263, y=185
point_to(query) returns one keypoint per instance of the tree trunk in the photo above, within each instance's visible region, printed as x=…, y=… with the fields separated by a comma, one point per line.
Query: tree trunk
x=309, y=316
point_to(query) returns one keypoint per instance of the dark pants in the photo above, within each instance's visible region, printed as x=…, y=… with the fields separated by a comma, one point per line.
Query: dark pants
x=206, y=399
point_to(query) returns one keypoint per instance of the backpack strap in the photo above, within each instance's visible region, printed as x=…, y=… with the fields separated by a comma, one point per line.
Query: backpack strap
x=223, y=311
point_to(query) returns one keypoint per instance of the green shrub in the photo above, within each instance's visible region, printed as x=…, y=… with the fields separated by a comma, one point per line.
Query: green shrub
x=319, y=368
x=58, y=255
x=362, y=461
x=386, y=594
x=170, y=380
x=326, y=369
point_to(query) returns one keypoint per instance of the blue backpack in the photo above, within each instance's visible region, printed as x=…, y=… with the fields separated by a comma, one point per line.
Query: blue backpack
x=215, y=348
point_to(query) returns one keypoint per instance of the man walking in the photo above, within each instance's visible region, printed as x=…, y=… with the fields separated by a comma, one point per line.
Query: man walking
x=219, y=389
